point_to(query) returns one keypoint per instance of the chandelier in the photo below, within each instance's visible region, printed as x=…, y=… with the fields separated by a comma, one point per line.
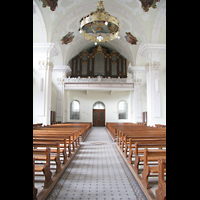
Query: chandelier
x=100, y=26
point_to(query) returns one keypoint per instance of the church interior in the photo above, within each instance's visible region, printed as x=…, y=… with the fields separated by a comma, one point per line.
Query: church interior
x=99, y=99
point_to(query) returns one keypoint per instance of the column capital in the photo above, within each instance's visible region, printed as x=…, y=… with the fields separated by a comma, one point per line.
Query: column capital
x=155, y=66
x=43, y=64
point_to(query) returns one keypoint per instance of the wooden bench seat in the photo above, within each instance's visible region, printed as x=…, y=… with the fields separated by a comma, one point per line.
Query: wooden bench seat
x=130, y=144
x=38, y=155
x=49, y=133
x=45, y=168
x=139, y=132
x=138, y=157
x=57, y=136
x=151, y=136
x=153, y=155
x=38, y=168
x=161, y=191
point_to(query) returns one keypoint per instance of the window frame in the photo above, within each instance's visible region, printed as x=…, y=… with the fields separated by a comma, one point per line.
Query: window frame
x=123, y=111
x=74, y=115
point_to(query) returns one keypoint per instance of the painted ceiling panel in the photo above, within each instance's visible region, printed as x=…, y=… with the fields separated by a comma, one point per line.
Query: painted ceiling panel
x=132, y=18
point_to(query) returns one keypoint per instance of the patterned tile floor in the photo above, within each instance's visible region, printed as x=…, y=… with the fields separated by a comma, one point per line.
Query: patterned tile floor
x=97, y=172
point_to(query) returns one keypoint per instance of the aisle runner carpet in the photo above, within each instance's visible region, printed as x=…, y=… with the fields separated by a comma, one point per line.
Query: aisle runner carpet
x=97, y=172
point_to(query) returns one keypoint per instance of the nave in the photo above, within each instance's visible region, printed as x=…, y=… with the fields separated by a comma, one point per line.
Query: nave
x=97, y=171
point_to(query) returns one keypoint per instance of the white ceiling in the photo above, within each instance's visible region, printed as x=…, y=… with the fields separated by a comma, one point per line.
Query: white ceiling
x=51, y=26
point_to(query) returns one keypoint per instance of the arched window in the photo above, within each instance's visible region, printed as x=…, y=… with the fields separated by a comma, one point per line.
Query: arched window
x=75, y=110
x=99, y=105
x=123, y=110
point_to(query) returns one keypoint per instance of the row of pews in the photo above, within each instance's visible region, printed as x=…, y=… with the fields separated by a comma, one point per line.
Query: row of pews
x=53, y=148
x=144, y=148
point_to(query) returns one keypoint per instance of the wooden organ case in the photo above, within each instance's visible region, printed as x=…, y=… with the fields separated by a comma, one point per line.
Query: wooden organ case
x=98, y=62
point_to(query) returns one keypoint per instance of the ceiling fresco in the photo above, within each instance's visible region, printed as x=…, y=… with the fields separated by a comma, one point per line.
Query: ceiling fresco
x=52, y=25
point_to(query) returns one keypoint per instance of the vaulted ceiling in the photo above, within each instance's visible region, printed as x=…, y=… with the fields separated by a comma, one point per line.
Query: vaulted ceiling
x=51, y=26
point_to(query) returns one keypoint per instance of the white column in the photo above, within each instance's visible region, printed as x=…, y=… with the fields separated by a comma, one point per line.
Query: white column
x=153, y=94
x=136, y=72
x=43, y=53
x=48, y=92
x=138, y=103
x=63, y=102
x=151, y=53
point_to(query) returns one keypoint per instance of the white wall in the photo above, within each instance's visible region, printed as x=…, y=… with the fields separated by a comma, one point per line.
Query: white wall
x=38, y=95
x=162, y=90
x=87, y=101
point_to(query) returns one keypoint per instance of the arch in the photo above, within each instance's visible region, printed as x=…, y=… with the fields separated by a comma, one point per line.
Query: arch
x=81, y=42
x=158, y=23
x=99, y=105
x=40, y=21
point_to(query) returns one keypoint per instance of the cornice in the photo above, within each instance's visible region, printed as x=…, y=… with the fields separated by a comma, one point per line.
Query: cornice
x=46, y=47
x=138, y=68
x=42, y=46
x=152, y=48
x=59, y=67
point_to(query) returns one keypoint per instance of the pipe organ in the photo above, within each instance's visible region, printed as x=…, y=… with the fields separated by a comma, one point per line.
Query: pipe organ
x=99, y=62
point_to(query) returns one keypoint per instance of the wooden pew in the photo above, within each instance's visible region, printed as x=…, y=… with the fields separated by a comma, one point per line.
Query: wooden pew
x=57, y=136
x=142, y=123
x=161, y=191
x=58, y=131
x=136, y=139
x=160, y=126
x=67, y=136
x=157, y=141
x=151, y=155
x=37, y=125
x=34, y=189
x=112, y=128
x=144, y=144
x=124, y=135
x=134, y=128
x=44, y=168
x=83, y=127
x=38, y=153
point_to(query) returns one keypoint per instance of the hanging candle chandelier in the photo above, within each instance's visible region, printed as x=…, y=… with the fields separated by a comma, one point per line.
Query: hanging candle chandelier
x=100, y=26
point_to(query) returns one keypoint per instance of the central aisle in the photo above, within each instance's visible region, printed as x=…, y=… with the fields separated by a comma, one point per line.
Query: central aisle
x=97, y=172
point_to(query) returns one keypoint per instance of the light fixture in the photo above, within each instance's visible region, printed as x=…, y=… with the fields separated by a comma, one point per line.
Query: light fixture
x=100, y=26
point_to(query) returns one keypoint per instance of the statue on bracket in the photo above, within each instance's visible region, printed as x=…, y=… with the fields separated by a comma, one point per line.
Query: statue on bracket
x=130, y=38
x=68, y=38
x=146, y=4
x=51, y=3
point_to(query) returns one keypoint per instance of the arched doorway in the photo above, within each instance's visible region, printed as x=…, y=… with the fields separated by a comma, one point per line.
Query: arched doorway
x=99, y=114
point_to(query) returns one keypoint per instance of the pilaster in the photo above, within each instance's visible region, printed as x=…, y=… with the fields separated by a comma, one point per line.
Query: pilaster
x=137, y=100
x=153, y=94
x=151, y=52
x=44, y=53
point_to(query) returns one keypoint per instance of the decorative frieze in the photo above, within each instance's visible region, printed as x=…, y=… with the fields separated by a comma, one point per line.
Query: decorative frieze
x=96, y=80
x=43, y=65
x=154, y=66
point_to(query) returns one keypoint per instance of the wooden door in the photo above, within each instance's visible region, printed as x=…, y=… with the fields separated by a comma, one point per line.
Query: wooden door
x=98, y=117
